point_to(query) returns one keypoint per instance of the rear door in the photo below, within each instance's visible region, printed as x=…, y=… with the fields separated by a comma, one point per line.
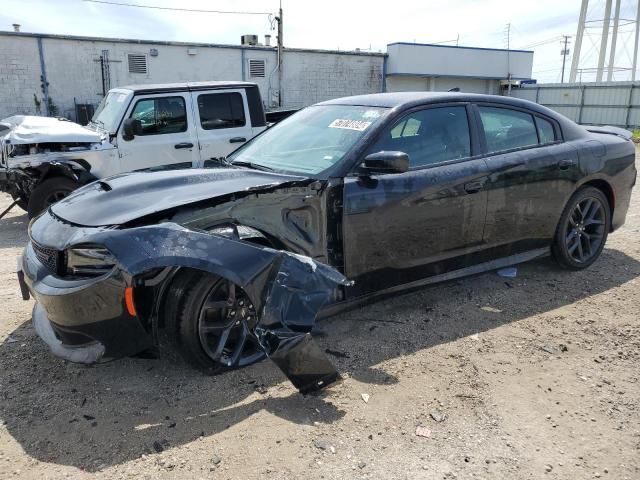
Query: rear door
x=223, y=123
x=401, y=228
x=532, y=173
x=168, y=138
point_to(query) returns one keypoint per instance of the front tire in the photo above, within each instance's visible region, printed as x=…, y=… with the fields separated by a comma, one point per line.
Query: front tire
x=49, y=192
x=210, y=321
x=582, y=230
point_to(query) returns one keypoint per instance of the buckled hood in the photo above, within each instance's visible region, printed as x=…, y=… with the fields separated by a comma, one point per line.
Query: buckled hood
x=123, y=198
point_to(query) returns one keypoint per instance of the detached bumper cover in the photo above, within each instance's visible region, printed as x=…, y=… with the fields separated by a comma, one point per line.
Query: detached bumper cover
x=287, y=290
x=90, y=353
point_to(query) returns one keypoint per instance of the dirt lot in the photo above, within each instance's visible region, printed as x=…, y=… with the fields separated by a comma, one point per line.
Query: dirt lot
x=543, y=384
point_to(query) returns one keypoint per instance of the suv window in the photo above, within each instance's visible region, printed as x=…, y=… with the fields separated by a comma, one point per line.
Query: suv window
x=221, y=110
x=505, y=129
x=545, y=131
x=429, y=136
x=161, y=115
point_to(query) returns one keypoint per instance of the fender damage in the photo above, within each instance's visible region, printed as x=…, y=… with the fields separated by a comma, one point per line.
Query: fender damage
x=35, y=148
x=287, y=290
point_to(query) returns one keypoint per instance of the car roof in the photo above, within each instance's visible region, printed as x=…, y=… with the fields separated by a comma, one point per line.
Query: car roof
x=181, y=86
x=410, y=99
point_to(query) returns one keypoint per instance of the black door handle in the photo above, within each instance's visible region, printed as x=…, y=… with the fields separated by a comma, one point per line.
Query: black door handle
x=475, y=186
x=178, y=146
x=237, y=140
x=565, y=164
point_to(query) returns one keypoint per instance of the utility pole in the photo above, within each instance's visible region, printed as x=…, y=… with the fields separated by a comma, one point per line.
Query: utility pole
x=280, y=45
x=508, y=32
x=565, y=52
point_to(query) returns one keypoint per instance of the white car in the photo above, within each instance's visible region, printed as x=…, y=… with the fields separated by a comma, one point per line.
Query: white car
x=138, y=127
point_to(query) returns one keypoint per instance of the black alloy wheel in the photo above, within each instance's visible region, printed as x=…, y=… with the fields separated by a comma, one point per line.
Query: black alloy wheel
x=583, y=229
x=226, y=320
x=209, y=321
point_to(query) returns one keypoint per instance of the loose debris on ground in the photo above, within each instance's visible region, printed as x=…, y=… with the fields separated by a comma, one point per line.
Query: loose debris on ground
x=531, y=377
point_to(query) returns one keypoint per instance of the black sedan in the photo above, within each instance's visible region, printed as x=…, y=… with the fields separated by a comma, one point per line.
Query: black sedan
x=390, y=191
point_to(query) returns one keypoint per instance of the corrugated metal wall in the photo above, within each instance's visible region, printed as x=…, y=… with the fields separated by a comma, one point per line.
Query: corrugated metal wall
x=611, y=103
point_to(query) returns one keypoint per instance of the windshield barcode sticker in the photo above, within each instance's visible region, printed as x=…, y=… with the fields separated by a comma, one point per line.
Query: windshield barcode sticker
x=358, y=125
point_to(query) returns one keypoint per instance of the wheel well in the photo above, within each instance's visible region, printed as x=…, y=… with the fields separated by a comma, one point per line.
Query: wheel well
x=605, y=188
x=181, y=276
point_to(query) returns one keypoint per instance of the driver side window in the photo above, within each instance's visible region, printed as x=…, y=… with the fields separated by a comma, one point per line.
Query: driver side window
x=161, y=115
x=429, y=136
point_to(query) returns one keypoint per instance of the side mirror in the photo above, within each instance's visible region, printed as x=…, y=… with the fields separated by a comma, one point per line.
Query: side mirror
x=130, y=128
x=386, y=162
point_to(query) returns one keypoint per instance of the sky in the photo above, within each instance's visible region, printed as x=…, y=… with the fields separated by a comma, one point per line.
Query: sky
x=338, y=24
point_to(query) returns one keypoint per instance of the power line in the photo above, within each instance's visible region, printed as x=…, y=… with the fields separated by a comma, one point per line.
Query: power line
x=154, y=7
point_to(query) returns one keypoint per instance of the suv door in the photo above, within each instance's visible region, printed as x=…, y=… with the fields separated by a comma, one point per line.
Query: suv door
x=223, y=124
x=401, y=228
x=532, y=174
x=168, y=137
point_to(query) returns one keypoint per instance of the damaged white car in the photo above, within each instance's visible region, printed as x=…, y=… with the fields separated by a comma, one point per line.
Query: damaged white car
x=141, y=127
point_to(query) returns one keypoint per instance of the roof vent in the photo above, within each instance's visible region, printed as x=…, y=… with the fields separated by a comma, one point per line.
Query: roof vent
x=137, y=63
x=249, y=39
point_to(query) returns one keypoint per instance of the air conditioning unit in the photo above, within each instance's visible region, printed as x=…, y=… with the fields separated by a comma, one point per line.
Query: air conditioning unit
x=249, y=40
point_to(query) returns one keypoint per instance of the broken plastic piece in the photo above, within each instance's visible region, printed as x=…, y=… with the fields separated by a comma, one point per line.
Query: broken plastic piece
x=287, y=290
x=508, y=272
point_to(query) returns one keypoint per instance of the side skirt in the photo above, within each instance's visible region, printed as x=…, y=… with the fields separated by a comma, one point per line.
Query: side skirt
x=335, y=308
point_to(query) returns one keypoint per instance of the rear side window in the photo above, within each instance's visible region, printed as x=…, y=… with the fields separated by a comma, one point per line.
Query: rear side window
x=161, y=115
x=429, y=136
x=221, y=110
x=545, y=131
x=506, y=129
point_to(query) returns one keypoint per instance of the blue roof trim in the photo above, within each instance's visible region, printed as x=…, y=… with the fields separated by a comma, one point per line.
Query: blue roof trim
x=454, y=46
x=438, y=75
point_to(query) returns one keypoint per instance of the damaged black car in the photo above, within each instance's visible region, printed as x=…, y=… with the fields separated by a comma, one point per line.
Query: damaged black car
x=340, y=204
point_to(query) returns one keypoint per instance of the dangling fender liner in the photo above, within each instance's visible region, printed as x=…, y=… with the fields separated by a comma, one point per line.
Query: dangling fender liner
x=287, y=289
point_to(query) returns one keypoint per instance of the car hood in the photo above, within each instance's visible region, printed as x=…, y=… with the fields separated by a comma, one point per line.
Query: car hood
x=123, y=198
x=28, y=129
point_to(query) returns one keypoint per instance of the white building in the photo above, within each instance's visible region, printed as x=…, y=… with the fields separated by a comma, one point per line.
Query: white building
x=75, y=71
x=416, y=66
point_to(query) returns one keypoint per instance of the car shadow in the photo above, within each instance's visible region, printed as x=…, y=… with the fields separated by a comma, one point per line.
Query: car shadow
x=13, y=229
x=98, y=416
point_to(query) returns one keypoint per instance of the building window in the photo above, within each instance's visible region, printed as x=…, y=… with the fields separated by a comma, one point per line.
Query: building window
x=256, y=68
x=221, y=110
x=137, y=63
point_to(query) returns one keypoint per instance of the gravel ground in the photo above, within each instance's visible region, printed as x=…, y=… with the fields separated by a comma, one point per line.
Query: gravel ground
x=532, y=377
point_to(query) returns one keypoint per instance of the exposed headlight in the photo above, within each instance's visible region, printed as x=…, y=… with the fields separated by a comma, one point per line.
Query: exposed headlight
x=89, y=261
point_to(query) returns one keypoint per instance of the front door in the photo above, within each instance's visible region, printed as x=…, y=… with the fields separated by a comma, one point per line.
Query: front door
x=401, y=228
x=168, y=139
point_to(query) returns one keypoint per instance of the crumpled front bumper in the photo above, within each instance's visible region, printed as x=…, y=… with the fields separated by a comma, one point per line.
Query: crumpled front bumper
x=90, y=353
x=287, y=290
x=83, y=313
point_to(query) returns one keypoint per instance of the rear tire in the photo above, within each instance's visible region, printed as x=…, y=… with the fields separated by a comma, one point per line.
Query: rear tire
x=582, y=230
x=209, y=320
x=49, y=192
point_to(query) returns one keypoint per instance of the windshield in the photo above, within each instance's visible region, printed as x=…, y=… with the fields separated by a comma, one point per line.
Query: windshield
x=310, y=141
x=109, y=111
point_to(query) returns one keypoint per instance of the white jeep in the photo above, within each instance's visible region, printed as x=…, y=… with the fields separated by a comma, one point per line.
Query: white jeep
x=138, y=127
